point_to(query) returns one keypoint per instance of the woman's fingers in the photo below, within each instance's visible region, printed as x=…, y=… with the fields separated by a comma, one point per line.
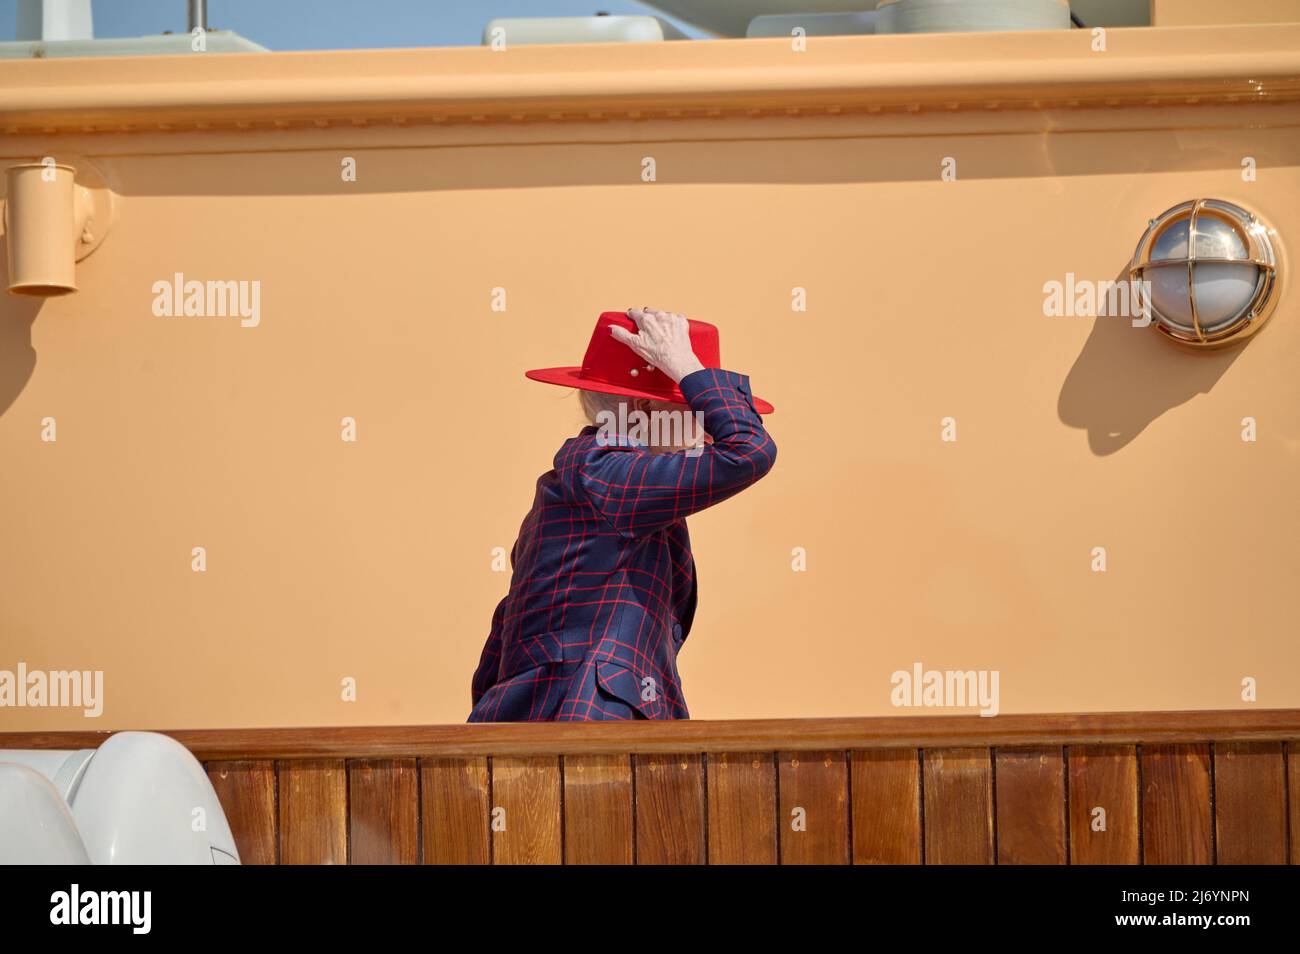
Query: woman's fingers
x=625, y=336
x=640, y=314
x=662, y=340
x=655, y=329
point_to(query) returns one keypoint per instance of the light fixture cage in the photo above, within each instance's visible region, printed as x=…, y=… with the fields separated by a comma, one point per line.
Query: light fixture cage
x=1207, y=232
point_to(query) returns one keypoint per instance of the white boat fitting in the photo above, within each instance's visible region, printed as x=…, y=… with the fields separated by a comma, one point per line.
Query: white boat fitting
x=733, y=17
x=140, y=798
x=523, y=31
x=971, y=16
x=812, y=24
x=36, y=825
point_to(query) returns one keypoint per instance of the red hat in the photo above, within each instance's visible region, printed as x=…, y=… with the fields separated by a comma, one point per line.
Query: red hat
x=611, y=367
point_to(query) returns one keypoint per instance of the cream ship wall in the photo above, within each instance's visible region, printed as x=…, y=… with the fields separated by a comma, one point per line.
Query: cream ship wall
x=372, y=560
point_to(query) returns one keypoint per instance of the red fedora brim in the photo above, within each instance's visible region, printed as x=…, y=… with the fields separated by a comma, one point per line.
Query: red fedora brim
x=572, y=378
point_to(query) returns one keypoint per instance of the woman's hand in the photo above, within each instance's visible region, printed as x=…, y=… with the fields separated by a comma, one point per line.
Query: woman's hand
x=663, y=339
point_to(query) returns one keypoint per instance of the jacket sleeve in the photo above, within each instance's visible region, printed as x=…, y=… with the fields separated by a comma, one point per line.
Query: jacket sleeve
x=485, y=676
x=639, y=492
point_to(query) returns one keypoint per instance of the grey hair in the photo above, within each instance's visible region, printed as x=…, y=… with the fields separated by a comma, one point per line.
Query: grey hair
x=668, y=428
x=594, y=403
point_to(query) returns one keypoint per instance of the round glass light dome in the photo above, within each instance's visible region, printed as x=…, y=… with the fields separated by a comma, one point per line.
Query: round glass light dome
x=1210, y=269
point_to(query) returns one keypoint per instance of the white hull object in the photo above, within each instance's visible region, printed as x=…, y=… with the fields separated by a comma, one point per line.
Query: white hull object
x=54, y=20
x=36, y=827
x=963, y=16
x=732, y=17
x=175, y=44
x=140, y=798
x=526, y=31
x=813, y=24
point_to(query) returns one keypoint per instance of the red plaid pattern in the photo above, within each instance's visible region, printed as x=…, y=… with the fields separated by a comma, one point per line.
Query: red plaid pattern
x=603, y=590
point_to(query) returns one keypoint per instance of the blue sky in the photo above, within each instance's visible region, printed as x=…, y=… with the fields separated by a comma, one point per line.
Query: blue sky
x=336, y=24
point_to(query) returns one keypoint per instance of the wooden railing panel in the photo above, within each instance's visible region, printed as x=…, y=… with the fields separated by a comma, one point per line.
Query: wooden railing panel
x=813, y=788
x=649, y=736
x=246, y=790
x=313, y=812
x=886, y=805
x=1250, y=803
x=598, y=810
x=1103, y=795
x=454, y=811
x=1189, y=788
x=958, y=806
x=383, y=812
x=526, y=821
x=1030, y=805
x=670, y=813
x=1176, y=828
x=1293, y=807
x=742, y=808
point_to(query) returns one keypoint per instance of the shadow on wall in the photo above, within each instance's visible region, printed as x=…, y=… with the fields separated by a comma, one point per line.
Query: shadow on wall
x=1126, y=377
x=17, y=356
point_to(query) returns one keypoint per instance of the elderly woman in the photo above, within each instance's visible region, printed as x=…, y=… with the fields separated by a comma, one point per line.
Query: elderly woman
x=603, y=591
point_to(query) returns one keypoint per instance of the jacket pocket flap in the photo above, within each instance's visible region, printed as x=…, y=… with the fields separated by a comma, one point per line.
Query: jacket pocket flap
x=623, y=684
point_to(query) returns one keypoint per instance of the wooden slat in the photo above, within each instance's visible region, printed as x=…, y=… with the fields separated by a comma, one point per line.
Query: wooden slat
x=1104, y=777
x=670, y=810
x=247, y=794
x=1030, y=805
x=454, y=811
x=742, y=808
x=886, y=795
x=598, y=810
x=813, y=791
x=384, y=812
x=528, y=789
x=691, y=735
x=1293, y=799
x=313, y=812
x=1176, y=827
x=958, y=806
x=1250, y=803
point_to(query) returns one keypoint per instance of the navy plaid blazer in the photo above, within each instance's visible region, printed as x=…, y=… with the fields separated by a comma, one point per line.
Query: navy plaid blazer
x=603, y=590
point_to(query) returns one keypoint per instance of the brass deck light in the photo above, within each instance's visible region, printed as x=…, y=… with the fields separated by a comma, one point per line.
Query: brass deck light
x=1211, y=270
